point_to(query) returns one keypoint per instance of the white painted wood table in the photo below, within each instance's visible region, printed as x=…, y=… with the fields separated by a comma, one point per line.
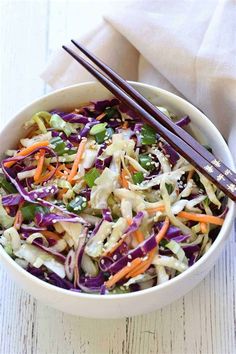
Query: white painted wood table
x=201, y=322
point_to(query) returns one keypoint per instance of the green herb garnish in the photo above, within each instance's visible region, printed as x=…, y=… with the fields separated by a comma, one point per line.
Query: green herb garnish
x=138, y=177
x=148, y=135
x=91, y=176
x=77, y=205
x=146, y=162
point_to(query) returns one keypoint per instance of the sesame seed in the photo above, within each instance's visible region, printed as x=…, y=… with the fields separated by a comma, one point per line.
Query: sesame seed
x=128, y=264
x=115, y=257
x=148, y=163
x=84, y=205
x=102, y=261
x=129, y=256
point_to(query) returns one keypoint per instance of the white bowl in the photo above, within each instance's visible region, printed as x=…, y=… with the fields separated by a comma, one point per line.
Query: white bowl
x=114, y=306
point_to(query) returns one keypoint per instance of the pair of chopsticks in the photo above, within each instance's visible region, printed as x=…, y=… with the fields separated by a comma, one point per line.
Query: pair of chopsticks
x=205, y=162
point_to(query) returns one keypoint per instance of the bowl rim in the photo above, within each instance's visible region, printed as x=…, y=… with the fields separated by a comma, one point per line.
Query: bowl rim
x=109, y=297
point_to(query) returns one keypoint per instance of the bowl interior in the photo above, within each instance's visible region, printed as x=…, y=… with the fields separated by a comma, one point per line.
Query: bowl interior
x=71, y=97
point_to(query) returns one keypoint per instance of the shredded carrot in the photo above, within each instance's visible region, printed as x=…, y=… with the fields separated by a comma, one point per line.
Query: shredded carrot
x=27, y=151
x=122, y=273
x=132, y=169
x=77, y=159
x=112, y=250
x=18, y=220
x=163, y=230
x=190, y=175
x=39, y=168
x=50, y=234
x=139, y=236
x=102, y=115
x=201, y=218
x=123, y=179
x=46, y=176
x=58, y=173
x=61, y=193
x=125, y=125
x=7, y=209
x=69, y=165
x=154, y=210
x=37, y=155
x=141, y=268
x=129, y=220
x=146, y=264
x=204, y=228
x=64, y=168
x=51, y=168
x=138, y=233
x=60, y=168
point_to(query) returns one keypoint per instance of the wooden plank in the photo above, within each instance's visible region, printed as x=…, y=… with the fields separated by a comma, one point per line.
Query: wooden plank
x=23, y=55
x=24, y=38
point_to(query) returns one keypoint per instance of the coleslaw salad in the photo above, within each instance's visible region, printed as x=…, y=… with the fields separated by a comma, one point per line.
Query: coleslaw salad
x=95, y=201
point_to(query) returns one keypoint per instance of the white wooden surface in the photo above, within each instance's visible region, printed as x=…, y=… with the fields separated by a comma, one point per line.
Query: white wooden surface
x=201, y=322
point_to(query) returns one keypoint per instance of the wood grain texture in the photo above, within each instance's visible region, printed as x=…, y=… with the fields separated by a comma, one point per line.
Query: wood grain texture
x=203, y=321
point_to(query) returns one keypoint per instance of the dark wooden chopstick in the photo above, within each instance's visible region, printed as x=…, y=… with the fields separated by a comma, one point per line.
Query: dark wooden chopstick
x=198, y=161
x=160, y=116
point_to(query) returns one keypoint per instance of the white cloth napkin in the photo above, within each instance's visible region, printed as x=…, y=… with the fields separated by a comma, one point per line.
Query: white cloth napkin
x=187, y=47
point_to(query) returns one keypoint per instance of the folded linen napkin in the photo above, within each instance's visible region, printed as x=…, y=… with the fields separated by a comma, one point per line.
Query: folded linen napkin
x=187, y=47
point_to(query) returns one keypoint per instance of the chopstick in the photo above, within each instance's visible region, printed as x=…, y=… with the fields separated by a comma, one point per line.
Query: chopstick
x=156, y=113
x=198, y=161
